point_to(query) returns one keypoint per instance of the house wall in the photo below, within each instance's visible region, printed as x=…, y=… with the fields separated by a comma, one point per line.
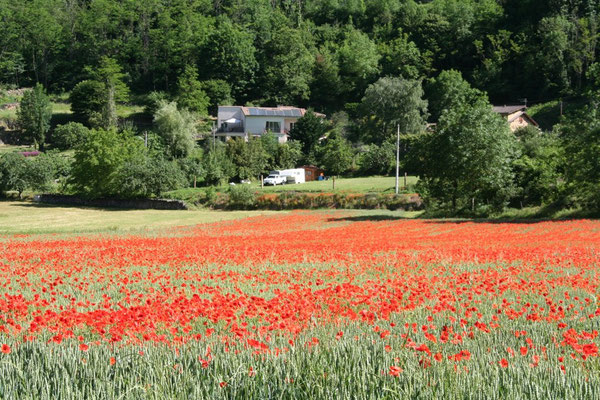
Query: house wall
x=288, y=123
x=227, y=112
x=520, y=122
x=257, y=125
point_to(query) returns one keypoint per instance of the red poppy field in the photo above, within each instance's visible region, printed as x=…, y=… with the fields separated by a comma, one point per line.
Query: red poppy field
x=304, y=305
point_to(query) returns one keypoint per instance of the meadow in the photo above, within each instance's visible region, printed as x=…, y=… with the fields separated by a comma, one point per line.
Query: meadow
x=328, y=304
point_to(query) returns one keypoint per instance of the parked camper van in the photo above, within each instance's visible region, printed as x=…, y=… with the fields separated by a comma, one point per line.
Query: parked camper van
x=285, y=176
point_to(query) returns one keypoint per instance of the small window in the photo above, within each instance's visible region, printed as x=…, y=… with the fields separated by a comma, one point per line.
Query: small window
x=273, y=126
x=292, y=125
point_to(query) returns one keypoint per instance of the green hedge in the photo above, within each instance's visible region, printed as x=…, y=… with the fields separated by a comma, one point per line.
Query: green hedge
x=244, y=198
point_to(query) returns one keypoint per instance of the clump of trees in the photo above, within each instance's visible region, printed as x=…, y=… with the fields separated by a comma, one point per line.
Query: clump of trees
x=34, y=116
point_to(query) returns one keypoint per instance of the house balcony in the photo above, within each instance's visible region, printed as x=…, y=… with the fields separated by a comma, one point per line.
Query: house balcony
x=231, y=128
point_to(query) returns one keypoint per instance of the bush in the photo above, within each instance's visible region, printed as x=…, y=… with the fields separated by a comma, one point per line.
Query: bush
x=153, y=102
x=99, y=160
x=241, y=196
x=378, y=160
x=87, y=101
x=69, y=136
x=19, y=173
x=151, y=177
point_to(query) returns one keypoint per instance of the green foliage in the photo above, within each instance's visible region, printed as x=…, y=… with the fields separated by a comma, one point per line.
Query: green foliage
x=190, y=95
x=468, y=160
x=110, y=75
x=393, y=102
x=192, y=168
x=241, y=197
x=378, y=160
x=232, y=56
x=358, y=60
x=148, y=177
x=177, y=129
x=449, y=90
x=538, y=174
x=19, y=173
x=218, y=166
x=219, y=93
x=308, y=130
x=288, y=72
x=580, y=136
x=69, y=135
x=87, y=101
x=99, y=160
x=153, y=101
x=34, y=115
x=326, y=85
x=250, y=158
x=336, y=156
x=402, y=57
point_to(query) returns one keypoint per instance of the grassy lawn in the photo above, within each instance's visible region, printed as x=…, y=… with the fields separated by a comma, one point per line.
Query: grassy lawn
x=61, y=109
x=26, y=217
x=5, y=148
x=373, y=184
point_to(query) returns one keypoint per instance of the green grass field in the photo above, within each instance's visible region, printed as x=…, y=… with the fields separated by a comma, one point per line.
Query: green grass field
x=26, y=218
x=61, y=109
x=372, y=184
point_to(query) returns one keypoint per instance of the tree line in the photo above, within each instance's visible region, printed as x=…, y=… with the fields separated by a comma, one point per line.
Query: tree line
x=316, y=53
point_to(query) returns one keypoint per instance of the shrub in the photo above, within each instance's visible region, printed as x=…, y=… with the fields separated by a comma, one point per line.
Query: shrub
x=69, y=136
x=241, y=196
x=19, y=173
x=87, y=101
x=153, y=101
x=150, y=177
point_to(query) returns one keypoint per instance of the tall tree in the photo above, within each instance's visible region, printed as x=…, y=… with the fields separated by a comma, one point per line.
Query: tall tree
x=358, y=60
x=393, y=102
x=336, y=155
x=34, y=115
x=231, y=56
x=110, y=74
x=308, y=130
x=99, y=159
x=288, y=69
x=468, y=159
x=190, y=95
x=449, y=90
x=177, y=128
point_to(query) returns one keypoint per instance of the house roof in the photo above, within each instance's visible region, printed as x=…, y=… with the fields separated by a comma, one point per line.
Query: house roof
x=273, y=112
x=280, y=111
x=524, y=115
x=509, y=109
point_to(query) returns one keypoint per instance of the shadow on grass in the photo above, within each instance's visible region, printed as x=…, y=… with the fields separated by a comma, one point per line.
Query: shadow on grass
x=535, y=215
x=33, y=204
x=373, y=218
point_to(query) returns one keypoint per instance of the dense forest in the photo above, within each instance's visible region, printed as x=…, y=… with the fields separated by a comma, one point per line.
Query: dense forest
x=317, y=53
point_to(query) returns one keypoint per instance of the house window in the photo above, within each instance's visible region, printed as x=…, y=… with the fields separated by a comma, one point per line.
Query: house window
x=273, y=126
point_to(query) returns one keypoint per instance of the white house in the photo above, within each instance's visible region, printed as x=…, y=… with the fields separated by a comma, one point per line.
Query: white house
x=239, y=121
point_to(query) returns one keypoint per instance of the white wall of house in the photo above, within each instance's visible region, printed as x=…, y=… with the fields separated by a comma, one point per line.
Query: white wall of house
x=288, y=124
x=258, y=125
x=226, y=112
